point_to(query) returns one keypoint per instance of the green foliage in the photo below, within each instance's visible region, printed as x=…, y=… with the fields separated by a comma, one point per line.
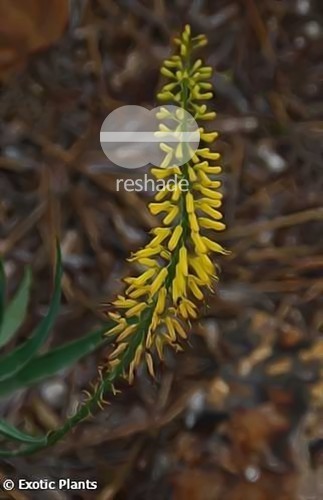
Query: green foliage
x=24, y=366
x=15, y=313
x=48, y=364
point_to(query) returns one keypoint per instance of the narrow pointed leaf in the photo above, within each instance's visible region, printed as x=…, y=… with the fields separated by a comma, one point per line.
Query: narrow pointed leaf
x=11, y=432
x=2, y=291
x=15, y=312
x=49, y=364
x=13, y=362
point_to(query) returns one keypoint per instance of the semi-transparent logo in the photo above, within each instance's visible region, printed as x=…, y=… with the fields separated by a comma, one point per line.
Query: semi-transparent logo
x=133, y=136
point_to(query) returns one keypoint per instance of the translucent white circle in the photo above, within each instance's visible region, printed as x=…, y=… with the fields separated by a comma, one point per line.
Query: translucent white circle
x=133, y=136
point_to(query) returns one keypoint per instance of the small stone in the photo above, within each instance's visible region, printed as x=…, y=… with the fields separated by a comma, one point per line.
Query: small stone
x=313, y=30
x=303, y=7
x=252, y=473
x=53, y=392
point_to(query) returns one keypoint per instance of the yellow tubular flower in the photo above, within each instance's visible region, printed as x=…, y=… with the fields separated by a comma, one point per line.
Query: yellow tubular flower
x=174, y=239
x=158, y=305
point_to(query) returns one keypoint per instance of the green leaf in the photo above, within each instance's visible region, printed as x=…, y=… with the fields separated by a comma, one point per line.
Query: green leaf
x=11, y=432
x=15, y=313
x=2, y=291
x=13, y=362
x=57, y=359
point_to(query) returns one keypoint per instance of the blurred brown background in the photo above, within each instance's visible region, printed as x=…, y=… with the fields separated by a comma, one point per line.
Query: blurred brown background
x=237, y=415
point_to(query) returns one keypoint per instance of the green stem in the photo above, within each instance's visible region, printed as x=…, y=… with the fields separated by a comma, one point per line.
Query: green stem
x=105, y=385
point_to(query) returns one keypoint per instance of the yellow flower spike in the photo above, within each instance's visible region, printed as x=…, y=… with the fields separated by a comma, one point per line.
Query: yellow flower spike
x=197, y=266
x=160, y=343
x=203, y=178
x=138, y=355
x=176, y=194
x=165, y=147
x=163, y=173
x=167, y=160
x=209, y=202
x=206, y=85
x=115, y=316
x=113, y=363
x=196, y=94
x=206, y=70
x=145, y=261
x=211, y=224
x=122, y=302
x=176, y=288
x=117, y=329
x=161, y=195
x=180, y=114
x=207, y=154
x=127, y=332
x=164, y=128
x=179, y=284
x=196, y=291
x=199, y=41
x=193, y=222
x=157, y=208
x=189, y=203
x=183, y=50
x=149, y=251
x=215, y=214
x=170, y=328
x=170, y=86
x=207, y=263
x=160, y=303
x=171, y=216
x=160, y=173
x=209, y=137
x=213, y=246
x=160, y=233
x=165, y=254
x=166, y=72
x=214, y=184
x=198, y=63
x=179, y=151
x=158, y=281
x=198, y=242
x=187, y=309
x=131, y=375
x=135, y=310
x=191, y=174
x=200, y=108
x=187, y=33
x=155, y=321
x=168, y=96
x=161, y=115
x=150, y=364
x=149, y=338
x=179, y=329
x=118, y=350
x=142, y=279
x=182, y=261
x=208, y=169
x=173, y=242
x=207, y=192
x=206, y=116
x=170, y=63
x=201, y=165
x=180, y=74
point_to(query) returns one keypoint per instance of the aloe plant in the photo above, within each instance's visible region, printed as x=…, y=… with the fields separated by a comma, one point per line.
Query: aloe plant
x=177, y=270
